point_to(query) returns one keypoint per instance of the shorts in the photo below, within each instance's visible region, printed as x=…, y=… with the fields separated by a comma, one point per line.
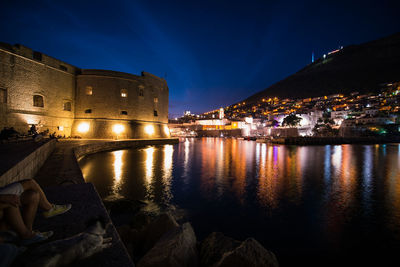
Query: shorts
x=12, y=189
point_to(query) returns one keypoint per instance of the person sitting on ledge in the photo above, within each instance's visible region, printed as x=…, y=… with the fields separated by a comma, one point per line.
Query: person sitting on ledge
x=19, y=202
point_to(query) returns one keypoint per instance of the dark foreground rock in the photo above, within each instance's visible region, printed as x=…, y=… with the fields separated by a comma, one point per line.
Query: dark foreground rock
x=249, y=254
x=214, y=246
x=176, y=248
x=155, y=237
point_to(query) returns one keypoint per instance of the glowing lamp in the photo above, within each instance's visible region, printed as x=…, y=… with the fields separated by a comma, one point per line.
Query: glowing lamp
x=166, y=130
x=149, y=129
x=30, y=121
x=118, y=128
x=83, y=127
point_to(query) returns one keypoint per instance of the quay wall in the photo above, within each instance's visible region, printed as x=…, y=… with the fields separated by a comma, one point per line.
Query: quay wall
x=100, y=146
x=29, y=166
x=333, y=140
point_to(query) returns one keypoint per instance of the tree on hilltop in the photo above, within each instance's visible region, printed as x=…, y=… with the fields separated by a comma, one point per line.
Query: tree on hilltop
x=291, y=120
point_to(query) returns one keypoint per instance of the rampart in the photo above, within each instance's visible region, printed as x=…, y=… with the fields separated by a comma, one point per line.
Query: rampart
x=51, y=94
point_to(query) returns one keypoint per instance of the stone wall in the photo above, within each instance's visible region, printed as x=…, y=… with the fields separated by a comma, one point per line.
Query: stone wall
x=21, y=77
x=133, y=102
x=29, y=166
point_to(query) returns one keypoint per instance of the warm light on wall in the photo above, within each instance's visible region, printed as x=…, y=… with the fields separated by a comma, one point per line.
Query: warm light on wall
x=118, y=128
x=83, y=127
x=149, y=129
x=30, y=121
x=166, y=130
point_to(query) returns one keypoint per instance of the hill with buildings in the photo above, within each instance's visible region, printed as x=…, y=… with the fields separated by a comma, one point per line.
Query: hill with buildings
x=356, y=68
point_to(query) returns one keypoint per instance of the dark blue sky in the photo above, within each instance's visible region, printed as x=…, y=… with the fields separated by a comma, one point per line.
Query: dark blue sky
x=212, y=53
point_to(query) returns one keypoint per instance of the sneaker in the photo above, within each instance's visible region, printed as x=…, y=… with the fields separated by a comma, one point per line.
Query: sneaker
x=57, y=210
x=36, y=238
x=47, y=234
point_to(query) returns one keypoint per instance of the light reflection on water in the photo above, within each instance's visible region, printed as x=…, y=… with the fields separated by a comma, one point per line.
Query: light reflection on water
x=291, y=198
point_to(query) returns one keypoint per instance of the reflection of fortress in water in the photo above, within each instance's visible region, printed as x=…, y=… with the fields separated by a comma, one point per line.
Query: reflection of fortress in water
x=38, y=89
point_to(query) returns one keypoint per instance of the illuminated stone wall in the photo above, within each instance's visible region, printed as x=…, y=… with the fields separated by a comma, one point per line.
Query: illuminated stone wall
x=136, y=105
x=22, y=76
x=109, y=98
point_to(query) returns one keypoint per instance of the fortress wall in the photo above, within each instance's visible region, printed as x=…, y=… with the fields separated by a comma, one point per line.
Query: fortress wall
x=22, y=77
x=144, y=95
x=143, y=113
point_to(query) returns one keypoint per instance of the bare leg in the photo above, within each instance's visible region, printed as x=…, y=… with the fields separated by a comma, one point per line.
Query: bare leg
x=29, y=202
x=32, y=185
x=14, y=220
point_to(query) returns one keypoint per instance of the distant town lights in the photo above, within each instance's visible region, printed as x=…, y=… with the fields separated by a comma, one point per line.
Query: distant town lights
x=149, y=129
x=83, y=127
x=118, y=128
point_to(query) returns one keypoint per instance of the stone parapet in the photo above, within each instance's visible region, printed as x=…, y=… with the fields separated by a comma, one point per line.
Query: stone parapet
x=29, y=166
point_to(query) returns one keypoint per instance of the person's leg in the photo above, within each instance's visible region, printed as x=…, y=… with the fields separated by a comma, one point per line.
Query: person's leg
x=13, y=218
x=29, y=202
x=32, y=185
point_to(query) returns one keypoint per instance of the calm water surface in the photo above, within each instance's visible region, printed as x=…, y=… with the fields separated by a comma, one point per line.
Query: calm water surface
x=311, y=205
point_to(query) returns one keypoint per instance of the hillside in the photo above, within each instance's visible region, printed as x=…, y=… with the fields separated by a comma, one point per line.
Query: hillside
x=359, y=68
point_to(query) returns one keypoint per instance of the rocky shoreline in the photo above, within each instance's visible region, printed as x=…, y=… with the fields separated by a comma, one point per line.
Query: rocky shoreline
x=161, y=236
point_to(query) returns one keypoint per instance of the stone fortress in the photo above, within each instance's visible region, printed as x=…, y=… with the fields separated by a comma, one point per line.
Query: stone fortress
x=36, y=89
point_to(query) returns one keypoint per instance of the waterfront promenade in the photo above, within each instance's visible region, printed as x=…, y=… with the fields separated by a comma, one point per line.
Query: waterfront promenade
x=62, y=180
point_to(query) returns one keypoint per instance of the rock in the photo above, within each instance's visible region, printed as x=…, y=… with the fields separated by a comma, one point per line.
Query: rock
x=214, y=246
x=175, y=248
x=140, y=221
x=157, y=228
x=249, y=254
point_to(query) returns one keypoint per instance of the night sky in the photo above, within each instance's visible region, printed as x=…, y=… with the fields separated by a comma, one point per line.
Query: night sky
x=212, y=53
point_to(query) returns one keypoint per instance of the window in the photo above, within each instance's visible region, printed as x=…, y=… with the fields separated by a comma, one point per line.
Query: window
x=155, y=113
x=124, y=93
x=156, y=100
x=67, y=106
x=38, y=101
x=88, y=111
x=3, y=95
x=141, y=90
x=124, y=112
x=62, y=67
x=89, y=90
x=37, y=56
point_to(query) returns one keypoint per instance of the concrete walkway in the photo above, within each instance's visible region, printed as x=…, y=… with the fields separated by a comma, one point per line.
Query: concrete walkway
x=62, y=180
x=86, y=205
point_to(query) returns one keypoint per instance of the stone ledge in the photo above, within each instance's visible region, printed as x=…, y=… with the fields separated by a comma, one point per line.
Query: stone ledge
x=102, y=145
x=86, y=205
x=29, y=166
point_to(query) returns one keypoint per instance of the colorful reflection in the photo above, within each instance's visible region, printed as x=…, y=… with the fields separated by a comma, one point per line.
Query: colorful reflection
x=307, y=196
x=149, y=166
x=118, y=163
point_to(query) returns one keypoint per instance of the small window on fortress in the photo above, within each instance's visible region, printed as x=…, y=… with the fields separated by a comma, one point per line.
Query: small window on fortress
x=155, y=113
x=141, y=92
x=3, y=95
x=38, y=101
x=88, y=111
x=67, y=106
x=124, y=93
x=124, y=112
x=37, y=56
x=89, y=90
x=156, y=100
x=62, y=67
